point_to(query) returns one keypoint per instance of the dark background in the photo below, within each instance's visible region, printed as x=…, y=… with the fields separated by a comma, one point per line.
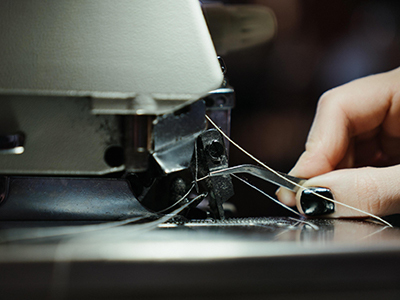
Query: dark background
x=318, y=45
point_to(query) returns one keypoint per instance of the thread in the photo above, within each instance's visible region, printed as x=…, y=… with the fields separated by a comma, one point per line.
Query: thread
x=290, y=181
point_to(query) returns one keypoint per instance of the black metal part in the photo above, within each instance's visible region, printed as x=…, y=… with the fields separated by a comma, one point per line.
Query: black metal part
x=174, y=135
x=216, y=151
x=12, y=143
x=223, y=65
x=56, y=198
x=219, y=105
x=278, y=178
x=167, y=177
x=158, y=192
x=210, y=155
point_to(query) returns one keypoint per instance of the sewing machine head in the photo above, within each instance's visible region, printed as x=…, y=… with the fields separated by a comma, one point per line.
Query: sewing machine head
x=114, y=94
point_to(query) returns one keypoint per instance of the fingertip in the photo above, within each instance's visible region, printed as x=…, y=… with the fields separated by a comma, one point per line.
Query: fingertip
x=286, y=197
x=352, y=190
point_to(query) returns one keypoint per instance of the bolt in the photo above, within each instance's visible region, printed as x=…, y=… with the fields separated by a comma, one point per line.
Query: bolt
x=215, y=149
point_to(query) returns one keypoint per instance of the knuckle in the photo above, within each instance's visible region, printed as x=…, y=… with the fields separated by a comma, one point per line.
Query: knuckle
x=330, y=95
x=326, y=98
x=329, y=100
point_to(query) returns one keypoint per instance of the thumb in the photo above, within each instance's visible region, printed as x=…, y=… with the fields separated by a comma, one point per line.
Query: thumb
x=373, y=190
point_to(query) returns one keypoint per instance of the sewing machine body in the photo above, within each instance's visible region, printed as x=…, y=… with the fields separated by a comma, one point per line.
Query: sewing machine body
x=103, y=89
x=102, y=118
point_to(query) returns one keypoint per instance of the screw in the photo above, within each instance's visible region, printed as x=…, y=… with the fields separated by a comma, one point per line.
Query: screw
x=215, y=149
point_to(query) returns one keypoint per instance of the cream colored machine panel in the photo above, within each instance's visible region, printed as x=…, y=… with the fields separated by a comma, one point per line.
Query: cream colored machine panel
x=107, y=49
x=74, y=76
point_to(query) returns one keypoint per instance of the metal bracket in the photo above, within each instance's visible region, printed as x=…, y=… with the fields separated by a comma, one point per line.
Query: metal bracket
x=210, y=155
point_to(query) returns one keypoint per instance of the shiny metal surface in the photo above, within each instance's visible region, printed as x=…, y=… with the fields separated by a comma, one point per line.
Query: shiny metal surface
x=174, y=136
x=58, y=198
x=204, y=240
x=137, y=142
x=233, y=259
x=277, y=178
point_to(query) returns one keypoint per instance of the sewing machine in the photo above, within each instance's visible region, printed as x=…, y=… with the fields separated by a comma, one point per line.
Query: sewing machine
x=115, y=90
x=102, y=118
x=105, y=90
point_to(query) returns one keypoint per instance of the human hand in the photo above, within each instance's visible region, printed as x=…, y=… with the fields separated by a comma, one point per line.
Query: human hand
x=353, y=147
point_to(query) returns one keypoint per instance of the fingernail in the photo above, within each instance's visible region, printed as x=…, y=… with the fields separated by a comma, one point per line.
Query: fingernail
x=313, y=205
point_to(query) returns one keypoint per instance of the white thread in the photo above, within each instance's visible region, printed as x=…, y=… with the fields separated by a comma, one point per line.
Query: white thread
x=269, y=196
x=290, y=181
x=313, y=226
x=373, y=233
x=179, y=201
x=10, y=235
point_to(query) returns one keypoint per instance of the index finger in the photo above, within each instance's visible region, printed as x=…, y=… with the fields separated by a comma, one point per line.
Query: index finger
x=344, y=112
